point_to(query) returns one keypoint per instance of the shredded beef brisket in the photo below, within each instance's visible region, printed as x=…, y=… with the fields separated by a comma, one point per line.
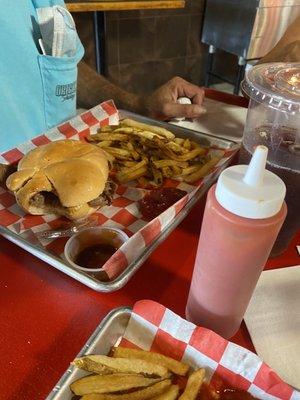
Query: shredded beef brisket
x=105, y=199
x=49, y=200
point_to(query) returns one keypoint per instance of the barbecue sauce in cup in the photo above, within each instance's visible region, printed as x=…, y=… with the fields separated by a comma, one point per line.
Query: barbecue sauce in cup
x=89, y=249
x=95, y=256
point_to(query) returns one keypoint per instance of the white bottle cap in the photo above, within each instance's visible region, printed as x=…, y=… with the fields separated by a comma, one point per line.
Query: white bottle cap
x=182, y=100
x=251, y=191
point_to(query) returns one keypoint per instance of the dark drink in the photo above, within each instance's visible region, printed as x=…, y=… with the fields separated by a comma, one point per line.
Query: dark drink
x=273, y=120
x=291, y=178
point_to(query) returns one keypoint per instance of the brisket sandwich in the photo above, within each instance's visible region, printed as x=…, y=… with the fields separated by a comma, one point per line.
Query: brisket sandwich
x=64, y=177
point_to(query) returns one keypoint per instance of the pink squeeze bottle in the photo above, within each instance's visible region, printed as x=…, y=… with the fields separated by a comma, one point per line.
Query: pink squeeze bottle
x=243, y=215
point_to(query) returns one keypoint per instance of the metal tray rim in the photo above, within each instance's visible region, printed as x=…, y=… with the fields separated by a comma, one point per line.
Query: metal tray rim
x=165, y=124
x=106, y=321
x=124, y=276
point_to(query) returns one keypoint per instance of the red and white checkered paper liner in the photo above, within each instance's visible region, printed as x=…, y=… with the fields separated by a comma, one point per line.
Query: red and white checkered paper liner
x=153, y=327
x=123, y=213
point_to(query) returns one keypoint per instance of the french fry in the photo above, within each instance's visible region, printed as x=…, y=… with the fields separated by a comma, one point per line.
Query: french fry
x=190, y=170
x=177, y=367
x=108, y=128
x=101, y=133
x=203, y=170
x=177, y=148
x=157, y=176
x=129, y=164
x=170, y=394
x=93, y=138
x=121, y=154
x=110, y=383
x=123, y=145
x=143, y=394
x=167, y=172
x=138, y=165
x=170, y=163
x=199, y=151
x=99, y=364
x=191, y=154
x=91, y=364
x=193, y=385
x=134, y=153
x=179, y=140
x=131, y=142
x=176, y=170
x=109, y=156
x=130, y=146
x=164, y=149
x=124, y=130
x=105, y=143
x=155, y=129
x=145, y=134
x=187, y=144
x=113, y=136
x=124, y=176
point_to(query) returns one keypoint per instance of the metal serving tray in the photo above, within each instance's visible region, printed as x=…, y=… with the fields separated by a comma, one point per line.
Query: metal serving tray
x=106, y=335
x=123, y=278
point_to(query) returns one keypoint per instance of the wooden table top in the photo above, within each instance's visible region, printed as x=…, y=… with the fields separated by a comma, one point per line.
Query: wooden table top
x=109, y=5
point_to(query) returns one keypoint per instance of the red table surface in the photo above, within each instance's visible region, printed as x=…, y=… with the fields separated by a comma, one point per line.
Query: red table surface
x=46, y=316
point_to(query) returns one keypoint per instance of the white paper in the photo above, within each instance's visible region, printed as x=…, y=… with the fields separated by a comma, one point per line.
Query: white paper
x=58, y=31
x=223, y=120
x=273, y=321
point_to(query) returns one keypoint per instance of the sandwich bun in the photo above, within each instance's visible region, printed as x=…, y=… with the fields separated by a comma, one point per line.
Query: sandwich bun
x=60, y=177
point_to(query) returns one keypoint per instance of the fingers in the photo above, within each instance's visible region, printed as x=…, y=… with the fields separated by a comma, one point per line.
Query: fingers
x=187, y=89
x=198, y=98
x=164, y=100
x=182, y=110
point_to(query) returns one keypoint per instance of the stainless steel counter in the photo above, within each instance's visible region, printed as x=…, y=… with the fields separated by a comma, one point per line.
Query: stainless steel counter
x=247, y=28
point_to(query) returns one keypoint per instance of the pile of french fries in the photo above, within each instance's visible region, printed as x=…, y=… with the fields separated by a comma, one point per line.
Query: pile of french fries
x=131, y=374
x=149, y=154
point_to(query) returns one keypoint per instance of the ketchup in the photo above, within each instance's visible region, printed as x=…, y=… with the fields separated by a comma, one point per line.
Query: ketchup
x=219, y=390
x=157, y=201
x=207, y=393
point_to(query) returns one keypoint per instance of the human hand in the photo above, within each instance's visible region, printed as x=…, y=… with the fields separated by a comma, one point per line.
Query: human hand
x=163, y=102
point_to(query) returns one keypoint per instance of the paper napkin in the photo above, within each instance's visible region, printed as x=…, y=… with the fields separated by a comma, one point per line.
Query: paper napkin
x=273, y=321
x=223, y=120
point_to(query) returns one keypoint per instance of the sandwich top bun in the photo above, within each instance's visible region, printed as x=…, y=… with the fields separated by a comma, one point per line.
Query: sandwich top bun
x=61, y=177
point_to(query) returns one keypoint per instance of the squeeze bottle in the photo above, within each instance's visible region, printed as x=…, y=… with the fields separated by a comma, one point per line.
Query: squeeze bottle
x=243, y=215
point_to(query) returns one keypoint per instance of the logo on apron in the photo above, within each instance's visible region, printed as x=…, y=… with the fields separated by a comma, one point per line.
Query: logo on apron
x=66, y=92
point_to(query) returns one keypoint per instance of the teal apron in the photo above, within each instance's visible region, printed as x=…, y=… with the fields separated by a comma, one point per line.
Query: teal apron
x=37, y=91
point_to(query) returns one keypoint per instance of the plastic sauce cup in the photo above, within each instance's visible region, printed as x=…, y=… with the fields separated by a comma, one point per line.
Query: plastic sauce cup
x=91, y=237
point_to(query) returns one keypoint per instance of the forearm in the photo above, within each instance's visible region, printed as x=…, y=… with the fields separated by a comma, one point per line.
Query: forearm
x=93, y=88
